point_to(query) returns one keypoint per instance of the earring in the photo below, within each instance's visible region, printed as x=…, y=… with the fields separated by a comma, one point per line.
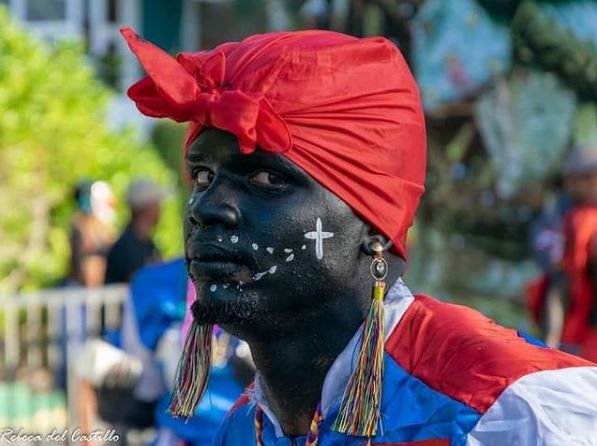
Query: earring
x=360, y=408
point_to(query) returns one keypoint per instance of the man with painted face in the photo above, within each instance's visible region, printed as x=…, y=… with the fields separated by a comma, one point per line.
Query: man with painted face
x=307, y=153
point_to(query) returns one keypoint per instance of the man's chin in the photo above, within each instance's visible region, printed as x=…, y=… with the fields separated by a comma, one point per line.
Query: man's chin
x=224, y=310
x=244, y=311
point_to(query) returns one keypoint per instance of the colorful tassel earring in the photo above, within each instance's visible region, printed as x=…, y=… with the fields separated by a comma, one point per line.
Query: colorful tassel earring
x=360, y=409
x=193, y=371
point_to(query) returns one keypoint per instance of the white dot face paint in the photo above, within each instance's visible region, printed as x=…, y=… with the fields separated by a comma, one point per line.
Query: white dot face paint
x=304, y=247
x=226, y=285
x=287, y=250
x=259, y=276
x=191, y=201
x=270, y=250
x=255, y=246
x=213, y=288
x=319, y=236
x=290, y=258
x=219, y=238
x=234, y=239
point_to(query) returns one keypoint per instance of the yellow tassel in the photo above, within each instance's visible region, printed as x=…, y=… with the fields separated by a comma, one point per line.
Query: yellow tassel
x=360, y=409
x=193, y=371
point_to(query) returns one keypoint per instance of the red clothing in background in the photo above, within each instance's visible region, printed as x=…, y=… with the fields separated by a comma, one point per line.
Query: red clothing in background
x=580, y=229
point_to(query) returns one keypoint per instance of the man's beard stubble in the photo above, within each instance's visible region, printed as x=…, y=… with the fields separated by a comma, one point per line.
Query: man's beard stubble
x=243, y=310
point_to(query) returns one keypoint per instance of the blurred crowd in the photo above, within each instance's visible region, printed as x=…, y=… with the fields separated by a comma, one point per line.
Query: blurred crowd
x=97, y=257
x=126, y=376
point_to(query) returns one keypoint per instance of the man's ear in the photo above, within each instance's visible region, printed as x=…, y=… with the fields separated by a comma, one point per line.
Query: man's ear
x=374, y=238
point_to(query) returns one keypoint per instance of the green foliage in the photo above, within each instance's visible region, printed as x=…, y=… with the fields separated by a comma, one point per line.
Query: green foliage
x=500, y=8
x=585, y=126
x=53, y=132
x=538, y=40
x=168, y=138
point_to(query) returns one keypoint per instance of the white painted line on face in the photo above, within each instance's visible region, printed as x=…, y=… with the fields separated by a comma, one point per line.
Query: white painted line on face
x=258, y=276
x=290, y=258
x=288, y=250
x=226, y=285
x=234, y=239
x=270, y=250
x=255, y=246
x=319, y=236
x=273, y=269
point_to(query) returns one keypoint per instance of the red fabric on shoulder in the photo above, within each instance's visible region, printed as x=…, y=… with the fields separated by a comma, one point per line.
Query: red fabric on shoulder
x=580, y=228
x=464, y=355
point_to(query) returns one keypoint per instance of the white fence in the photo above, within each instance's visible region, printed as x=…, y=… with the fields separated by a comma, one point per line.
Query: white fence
x=40, y=339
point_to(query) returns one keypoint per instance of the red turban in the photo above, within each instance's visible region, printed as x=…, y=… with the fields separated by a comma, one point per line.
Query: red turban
x=344, y=109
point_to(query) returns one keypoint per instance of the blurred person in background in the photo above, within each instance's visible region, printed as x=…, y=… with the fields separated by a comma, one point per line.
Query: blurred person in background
x=91, y=237
x=135, y=248
x=571, y=309
x=91, y=233
x=547, y=246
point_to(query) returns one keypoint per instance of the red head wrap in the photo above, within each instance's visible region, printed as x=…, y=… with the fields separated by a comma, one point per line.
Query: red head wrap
x=344, y=109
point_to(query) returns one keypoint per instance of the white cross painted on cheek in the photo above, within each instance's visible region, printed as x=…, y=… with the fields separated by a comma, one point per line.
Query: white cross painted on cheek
x=319, y=236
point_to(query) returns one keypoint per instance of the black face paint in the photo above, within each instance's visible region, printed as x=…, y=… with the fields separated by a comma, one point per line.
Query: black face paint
x=266, y=245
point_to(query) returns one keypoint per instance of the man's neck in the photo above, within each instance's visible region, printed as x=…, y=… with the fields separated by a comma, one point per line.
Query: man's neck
x=293, y=368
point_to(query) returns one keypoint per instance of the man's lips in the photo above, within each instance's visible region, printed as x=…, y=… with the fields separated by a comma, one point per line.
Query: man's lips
x=214, y=269
x=209, y=261
x=208, y=252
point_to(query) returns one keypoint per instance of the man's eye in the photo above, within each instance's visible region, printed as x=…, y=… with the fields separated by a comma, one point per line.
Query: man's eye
x=202, y=178
x=264, y=178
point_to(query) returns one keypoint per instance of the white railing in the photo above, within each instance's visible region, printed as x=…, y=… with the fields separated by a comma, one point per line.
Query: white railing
x=42, y=335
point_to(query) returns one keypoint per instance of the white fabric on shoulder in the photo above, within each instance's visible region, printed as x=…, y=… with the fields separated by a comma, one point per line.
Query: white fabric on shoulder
x=547, y=408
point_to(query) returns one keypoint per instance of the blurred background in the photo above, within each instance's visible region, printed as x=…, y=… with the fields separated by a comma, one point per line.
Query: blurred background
x=91, y=192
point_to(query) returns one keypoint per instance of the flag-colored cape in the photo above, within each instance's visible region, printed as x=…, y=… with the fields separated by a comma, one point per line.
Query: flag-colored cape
x=452, y=377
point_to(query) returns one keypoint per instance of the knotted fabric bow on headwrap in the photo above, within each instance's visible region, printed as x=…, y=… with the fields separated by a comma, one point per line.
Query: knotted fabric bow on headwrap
x=346, y=110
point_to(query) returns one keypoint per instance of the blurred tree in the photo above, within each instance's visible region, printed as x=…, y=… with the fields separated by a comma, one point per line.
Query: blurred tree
x=168, y=138
x=569, y=52
x=53, y=132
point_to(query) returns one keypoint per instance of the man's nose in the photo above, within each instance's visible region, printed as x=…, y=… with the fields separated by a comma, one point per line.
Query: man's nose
x=211, y=208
